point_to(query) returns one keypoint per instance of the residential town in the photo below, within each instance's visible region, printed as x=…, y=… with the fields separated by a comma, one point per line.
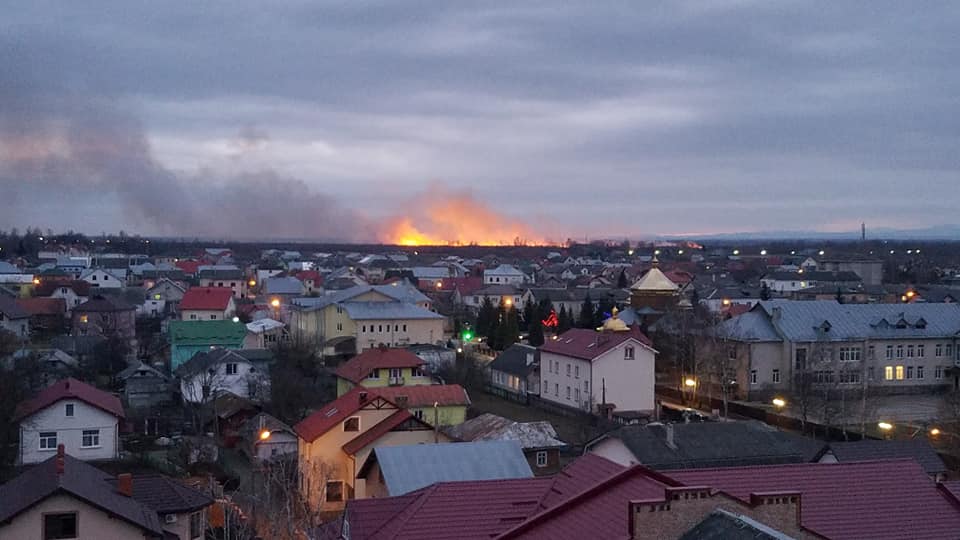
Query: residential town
x=603, y=390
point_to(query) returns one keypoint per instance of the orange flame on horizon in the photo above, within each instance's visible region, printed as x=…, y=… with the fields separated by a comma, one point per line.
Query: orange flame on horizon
x=444, y=218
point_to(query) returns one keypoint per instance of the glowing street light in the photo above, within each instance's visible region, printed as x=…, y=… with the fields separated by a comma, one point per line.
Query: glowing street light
x=439, y=284
x=689, y=382
x=763, y=252
x=885, y=426
x=934, y=431
x=736, y=252
x=275, y=303
x=252, y=283
x=264, y=435
x=508, y=302
x=36, y=281
x=779, y=402
x=630, y=252
x=679, y=252
x=821, y=252
x=236, y=319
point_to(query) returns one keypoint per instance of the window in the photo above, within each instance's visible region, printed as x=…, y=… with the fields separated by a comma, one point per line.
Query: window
x=57, y=526
x=870, y=373
x=48, y=440
x=379, y=328
x=417, y=372
x=753, y=376
x=576, y=372
x=871, y=350
x=556, y=389
x=800, y=359
x=849, y=354
x=396, y=328
x=628, y=353
x=919, y=372
x=899, y=373
x=546, y=384
x=68, y=409
x=541, y=459
x=395, y=373
x=910, y=351
x=909, y=372
x=949, y=350
x=568, y=369
x=776, y=376
x=352, y=424
x=920, y=351
x=938, y=350
x=899, y=351
x=193, y=317
x=938, y=372
x=196, y=525
x=732, y=353
x=568, y=392
x=586, y=386
x=576, y=395
x=231, y=369
x=404, y=328
x=849, y=376
x=375, y=374
x=889, y=352
x=335, y=491
x=91, y=438
x=339, y=327
x=888, y=373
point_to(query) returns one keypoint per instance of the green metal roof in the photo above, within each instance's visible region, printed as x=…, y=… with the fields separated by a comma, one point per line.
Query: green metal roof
x=206, y=332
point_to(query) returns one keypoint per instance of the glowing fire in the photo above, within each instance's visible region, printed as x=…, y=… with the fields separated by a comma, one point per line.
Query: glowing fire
x=444, y=218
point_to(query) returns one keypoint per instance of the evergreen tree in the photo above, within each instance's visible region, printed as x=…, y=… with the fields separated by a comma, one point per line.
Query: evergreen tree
x=536, y=333
x=509, y=330
x=529, y=315
x=487, y=319
x=622, y=280
x=764, y=291
x=586, y=314
x=564, y=320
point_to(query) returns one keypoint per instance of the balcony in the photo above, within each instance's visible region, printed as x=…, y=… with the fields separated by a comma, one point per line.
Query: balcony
x=396, y=381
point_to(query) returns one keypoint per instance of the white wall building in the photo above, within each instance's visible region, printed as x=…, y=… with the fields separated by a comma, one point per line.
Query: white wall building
x=504, y=274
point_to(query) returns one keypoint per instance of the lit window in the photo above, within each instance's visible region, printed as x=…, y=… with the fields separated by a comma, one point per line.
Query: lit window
x=352, y=424
x=541, y=459
x=91, y=438
x=899, y=373
x=888, y=373
x=84, y=319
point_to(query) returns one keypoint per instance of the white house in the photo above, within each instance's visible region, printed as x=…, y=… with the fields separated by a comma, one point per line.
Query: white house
x=103, y=278
x=587, y=369
x=245, y=373
x=164, y=296
x=207, y=304
x=72, y=413
x=269, y=439
x=504, y=274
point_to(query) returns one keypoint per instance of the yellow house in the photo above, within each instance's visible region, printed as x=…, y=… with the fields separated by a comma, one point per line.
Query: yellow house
x=438, y=404
x=381, y=367
x=335, y=441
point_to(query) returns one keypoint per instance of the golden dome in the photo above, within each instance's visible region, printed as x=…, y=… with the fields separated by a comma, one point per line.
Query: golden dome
x=614, y=324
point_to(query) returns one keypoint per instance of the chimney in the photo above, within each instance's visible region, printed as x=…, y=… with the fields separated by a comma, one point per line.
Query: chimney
x=363, y=397
x=60, y=460
x=125, y=484
x=670, y=442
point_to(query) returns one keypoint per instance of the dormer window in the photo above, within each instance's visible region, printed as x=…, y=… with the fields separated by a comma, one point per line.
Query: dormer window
x=921, y=323
x=825, y=327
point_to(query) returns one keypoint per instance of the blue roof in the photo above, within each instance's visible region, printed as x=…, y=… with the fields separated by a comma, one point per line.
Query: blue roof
x=282, y=285
x=803, y=321
x=387, y=310
x=409, y=468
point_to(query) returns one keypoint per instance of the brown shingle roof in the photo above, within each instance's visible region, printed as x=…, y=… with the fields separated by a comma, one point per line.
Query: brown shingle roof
x=358, y=367
x=71, y=389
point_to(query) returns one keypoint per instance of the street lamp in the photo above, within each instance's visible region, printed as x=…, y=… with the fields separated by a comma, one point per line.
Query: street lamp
x=934, y=431
x=264, y=435
x=275, y=303
x=885, y=426
x=252, y=283
x=689, y=382
x=779, y=402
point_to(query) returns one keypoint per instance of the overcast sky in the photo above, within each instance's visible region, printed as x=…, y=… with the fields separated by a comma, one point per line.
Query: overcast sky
x=582, y=118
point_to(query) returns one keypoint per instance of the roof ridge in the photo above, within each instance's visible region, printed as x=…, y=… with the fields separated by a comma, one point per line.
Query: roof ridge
x=616, y=478
x=410, y=509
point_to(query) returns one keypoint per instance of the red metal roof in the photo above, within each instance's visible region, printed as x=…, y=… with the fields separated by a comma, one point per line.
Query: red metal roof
x=358, y=367
x=43, y=306
x=333, y=413
x=206, y=298
x=371, y=435
x=868, y=499
x=188, y=267
x=71, y=389
x=311, y=275
x=589, y=344
x=425, y=395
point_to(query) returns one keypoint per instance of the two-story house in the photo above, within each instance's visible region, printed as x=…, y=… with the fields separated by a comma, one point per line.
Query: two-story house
x=73, y=292
x=71, y=413
x=229, y=278
x=107, y=316
x=64, y=497
x=516, y=371
x=505, y=274
x=380, y=367
x=244, y=373
x=163, y=298
x=335, y=441
x=207, y=304
x=595, y=370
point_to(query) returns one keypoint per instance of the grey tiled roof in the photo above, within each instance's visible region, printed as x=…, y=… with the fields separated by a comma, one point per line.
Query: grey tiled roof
x=513, y=360
x=868, y=450
x=800, y=321
x=387, y=310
